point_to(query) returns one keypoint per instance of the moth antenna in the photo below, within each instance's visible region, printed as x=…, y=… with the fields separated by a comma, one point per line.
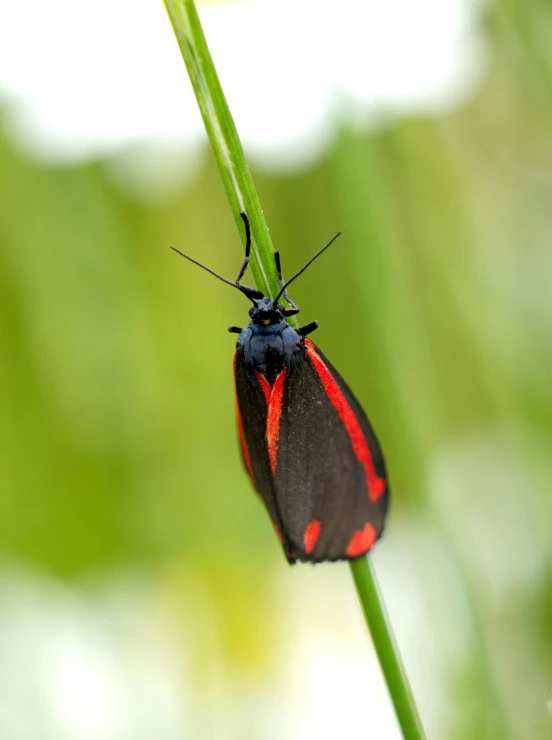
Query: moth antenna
x=284, y=287
x=251, y=293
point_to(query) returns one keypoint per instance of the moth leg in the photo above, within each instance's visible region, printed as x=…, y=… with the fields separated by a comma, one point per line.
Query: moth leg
x=304, y=330
x=294, y=307
x=245, y=262
x=235, y=330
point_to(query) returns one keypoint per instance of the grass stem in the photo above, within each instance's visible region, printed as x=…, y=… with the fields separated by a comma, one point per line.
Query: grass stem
x=242, y=196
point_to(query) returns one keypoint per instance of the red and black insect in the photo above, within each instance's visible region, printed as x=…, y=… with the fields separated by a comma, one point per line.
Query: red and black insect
x=308, y=446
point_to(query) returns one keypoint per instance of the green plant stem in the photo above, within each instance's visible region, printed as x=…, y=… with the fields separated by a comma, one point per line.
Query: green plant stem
x=243, y=197
x=224, y=140
x=382, y=635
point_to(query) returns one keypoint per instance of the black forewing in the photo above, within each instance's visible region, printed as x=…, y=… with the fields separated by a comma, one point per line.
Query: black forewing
x=253, y=409
x=318, y=476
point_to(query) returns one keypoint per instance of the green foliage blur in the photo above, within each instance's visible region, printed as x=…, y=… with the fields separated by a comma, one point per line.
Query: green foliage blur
x=118, y=447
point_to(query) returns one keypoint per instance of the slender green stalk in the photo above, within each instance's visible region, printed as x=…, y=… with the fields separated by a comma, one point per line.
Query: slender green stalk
x=386, y=648
x=224, y=139
x=243, y=197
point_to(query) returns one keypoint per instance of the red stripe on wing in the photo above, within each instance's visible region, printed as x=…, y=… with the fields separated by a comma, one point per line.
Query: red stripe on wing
x=376, y=485
x=243, y=443
x=273, y=416
x=265, y=387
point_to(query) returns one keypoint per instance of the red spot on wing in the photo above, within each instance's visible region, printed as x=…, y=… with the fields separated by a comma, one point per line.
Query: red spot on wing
x=273, y=417
x=312, y=533
x=278, y=534
x=376, y=485
x=361, y=541
x=265, y=387
x=243, y=443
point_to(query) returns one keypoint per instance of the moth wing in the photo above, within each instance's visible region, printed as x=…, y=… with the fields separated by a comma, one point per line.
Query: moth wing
x=251, y=412
x=330, y=480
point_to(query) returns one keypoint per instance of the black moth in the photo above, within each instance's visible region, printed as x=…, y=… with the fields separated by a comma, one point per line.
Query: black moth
x=307, y=445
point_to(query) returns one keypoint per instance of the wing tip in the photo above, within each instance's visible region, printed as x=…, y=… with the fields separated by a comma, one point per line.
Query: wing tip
x=360, y=544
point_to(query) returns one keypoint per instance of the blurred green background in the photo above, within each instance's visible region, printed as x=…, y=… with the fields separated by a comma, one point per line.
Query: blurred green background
x=142, y=592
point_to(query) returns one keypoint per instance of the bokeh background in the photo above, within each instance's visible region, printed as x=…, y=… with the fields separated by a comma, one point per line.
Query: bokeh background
x=142, y=590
